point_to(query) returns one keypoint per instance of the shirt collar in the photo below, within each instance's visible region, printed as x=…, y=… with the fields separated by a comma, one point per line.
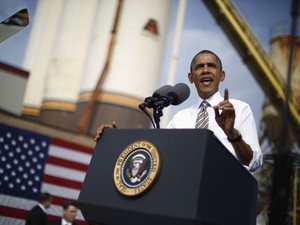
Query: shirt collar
x=42, y=207
x=65, y=222
x=212, y=100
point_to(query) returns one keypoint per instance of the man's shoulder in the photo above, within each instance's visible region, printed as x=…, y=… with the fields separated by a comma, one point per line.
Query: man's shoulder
x=36, y=209
x=182, y=113
x=240, y=103
x=188, y=109
x=242, y=109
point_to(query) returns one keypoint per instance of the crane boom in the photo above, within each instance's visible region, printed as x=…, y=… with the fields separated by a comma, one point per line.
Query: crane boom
x=255, y=57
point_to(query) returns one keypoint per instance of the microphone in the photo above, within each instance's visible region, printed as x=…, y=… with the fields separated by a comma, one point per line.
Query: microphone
x=156, y=96
x=176, y=95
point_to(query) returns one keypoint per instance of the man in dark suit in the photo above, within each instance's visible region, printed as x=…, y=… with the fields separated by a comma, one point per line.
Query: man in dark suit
x=37, y=215
x=69, y=213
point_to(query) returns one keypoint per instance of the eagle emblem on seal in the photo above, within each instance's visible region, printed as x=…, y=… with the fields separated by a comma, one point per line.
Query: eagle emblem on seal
x=137, y=170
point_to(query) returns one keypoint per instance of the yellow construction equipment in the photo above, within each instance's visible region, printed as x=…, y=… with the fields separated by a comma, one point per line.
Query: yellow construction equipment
x=258, y=61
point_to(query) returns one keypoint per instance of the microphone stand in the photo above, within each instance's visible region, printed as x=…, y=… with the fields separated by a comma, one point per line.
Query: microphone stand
x=157, y=113
x=147, y=113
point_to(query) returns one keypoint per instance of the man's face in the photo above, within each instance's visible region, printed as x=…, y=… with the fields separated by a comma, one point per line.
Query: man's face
x=70, y=213
x=47, y=203
x=206, y=74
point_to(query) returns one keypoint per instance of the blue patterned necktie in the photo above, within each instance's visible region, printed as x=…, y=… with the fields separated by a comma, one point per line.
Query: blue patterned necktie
x=202, y=117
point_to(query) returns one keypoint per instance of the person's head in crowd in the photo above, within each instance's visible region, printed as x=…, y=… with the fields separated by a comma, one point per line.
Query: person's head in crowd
x=70, y=209
x=45, y=199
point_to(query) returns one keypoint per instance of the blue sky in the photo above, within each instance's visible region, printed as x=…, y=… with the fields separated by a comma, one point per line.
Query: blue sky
x=13, y=49
x=200, y=31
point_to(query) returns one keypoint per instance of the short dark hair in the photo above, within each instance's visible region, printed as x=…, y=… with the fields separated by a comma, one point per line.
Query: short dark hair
x=68, y=203
x=44, y=196
x=203, y=52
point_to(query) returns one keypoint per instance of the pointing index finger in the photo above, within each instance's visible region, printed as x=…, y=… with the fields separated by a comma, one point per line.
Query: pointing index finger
x=226, y=94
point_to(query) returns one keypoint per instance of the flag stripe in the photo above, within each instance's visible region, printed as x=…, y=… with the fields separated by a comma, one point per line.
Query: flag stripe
x=64, y=172
x=69, y=154
x=70, y=145
x=61, y=191
x=13, y=212
x=62, y=182
x=11, y=221
x=16, y=202
x=60, y=200
x=67, y=163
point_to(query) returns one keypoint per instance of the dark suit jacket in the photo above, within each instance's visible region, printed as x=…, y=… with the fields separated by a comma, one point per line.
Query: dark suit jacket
x=58, y=222
x=36, y=216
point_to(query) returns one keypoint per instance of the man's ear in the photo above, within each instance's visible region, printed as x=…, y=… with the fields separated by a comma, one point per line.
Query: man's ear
x=190, y=76
x=222, y=76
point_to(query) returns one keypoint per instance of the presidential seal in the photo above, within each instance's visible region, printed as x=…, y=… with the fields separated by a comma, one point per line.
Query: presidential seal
x=137, y=168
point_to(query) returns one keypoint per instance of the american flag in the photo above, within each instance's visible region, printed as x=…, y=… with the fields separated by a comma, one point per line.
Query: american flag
x=31, y=163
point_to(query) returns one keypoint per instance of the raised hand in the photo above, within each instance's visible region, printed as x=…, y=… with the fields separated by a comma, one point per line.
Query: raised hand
x=225, y=115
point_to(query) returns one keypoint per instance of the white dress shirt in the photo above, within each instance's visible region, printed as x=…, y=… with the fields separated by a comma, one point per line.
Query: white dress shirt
x=244, y=123
x=64, y=222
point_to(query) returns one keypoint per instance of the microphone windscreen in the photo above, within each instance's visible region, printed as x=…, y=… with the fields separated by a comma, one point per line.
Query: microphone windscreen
x=162, y=91
x=179, y=93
